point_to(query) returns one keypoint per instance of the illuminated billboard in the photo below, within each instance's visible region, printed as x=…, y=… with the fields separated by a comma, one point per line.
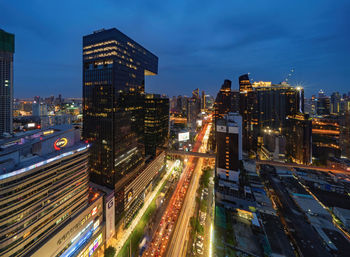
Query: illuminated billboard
x=184, y=136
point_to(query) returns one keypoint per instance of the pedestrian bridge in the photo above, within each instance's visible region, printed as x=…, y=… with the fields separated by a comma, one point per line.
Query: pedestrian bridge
x=189, y=153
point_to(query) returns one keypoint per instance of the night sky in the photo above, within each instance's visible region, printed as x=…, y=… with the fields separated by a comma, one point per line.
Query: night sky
x=199, y=43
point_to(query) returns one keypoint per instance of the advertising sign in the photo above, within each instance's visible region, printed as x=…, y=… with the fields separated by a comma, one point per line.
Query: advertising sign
x=184, y=136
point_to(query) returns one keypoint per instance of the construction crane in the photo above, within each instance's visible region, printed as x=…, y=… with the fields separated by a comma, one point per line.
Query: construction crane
x=289, y=75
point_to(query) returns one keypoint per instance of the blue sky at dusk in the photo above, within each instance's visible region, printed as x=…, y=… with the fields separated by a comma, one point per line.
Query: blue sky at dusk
x=199, y=43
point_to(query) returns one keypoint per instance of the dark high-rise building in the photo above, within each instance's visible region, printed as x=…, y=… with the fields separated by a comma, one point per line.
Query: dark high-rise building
x=276, y=102
x=229, y=145
x=193, y=109
x=323, y=104
x=226, y=100
x=298, y=133
x=335, y=107
x=248, y=111
x=228, y=157
x=345, y=135
x=156, y=122
x=179, y=104
x=244, y=84
x=325, y=139
x=195, y=93
x=114, y=70
x=203, y=101
x=7, y=48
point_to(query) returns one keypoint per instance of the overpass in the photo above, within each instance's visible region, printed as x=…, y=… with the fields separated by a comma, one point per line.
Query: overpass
x=301, y=166
x=189, y=153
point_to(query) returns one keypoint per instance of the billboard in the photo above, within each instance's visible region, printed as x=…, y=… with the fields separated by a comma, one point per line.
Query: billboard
x=184, y=136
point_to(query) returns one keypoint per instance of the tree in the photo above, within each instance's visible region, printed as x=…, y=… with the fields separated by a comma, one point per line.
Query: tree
x=110, y=251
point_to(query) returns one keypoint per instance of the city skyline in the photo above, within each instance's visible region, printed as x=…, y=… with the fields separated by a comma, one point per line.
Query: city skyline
x=189, y=129
x=228, y=44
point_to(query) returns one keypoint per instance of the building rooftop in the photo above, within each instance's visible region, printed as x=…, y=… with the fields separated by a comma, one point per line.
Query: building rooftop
x=29, y=150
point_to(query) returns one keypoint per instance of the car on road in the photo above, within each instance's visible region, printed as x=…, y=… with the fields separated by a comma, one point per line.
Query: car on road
x=199, y=251
x=199, y=237
x=199, y=244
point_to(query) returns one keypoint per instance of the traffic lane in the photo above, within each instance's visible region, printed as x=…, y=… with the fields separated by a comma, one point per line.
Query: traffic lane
x=158, y=245
x=176, y=247
x=175, y=200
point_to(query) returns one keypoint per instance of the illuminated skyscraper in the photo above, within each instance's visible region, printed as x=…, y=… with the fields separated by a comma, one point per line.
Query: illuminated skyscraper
x=114, y=70
x=323, y=104
x=276, y=102
x=203, y=101
x=7, y=48
x=298, y=133
x=156, y=122
x=325, y=139
x=226, y=100
x=193, y=109
x=248, y=110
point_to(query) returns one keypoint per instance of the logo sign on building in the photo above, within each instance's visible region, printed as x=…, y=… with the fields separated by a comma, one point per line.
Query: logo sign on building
x=60, y=143
x=130, y=195
x=184, y=136
x=110, y=215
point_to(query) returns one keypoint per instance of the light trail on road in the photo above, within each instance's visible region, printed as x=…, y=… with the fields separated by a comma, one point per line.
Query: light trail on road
x=160, y=241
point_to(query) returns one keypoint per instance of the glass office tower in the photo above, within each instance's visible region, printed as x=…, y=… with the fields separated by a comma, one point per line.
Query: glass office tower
x=156, y=123
x=114, y=70
x=7, y=48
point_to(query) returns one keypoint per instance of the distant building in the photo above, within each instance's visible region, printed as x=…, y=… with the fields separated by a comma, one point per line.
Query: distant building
x=203, y=101
x=39, y=109
x=248, y=110
x=193, y=109
x=272, y=145
x=276, y=102
x=345, y=135
x=325, y=139
x=7, y=48
x=298, y=133
x=156, y=122
x=323, y=105
x=209, y=101
x=223, y=101
x=335, y=103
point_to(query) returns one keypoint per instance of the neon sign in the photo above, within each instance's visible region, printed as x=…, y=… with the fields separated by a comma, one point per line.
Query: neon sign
x=60, y=143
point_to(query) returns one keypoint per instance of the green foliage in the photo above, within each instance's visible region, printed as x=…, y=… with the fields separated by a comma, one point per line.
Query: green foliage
x=200, y=228
x=203, y=206
x=110, y=251
x=138, y=232
x=196, y=226
x=204, y=180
